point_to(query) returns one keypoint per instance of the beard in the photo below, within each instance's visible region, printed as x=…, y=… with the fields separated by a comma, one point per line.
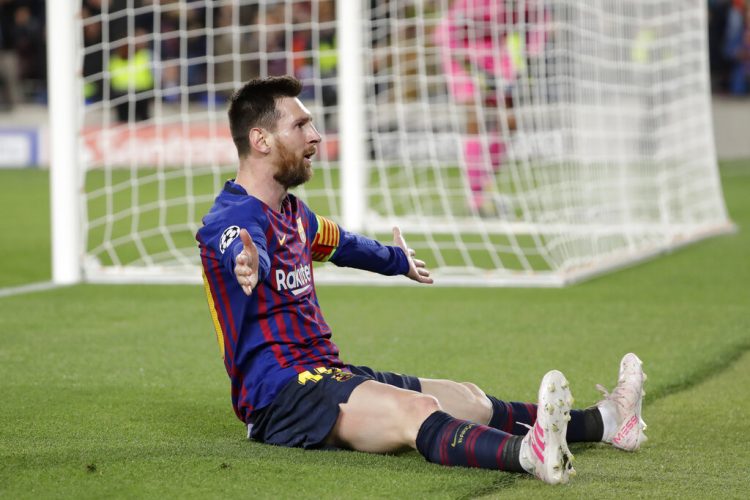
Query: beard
x=292, y=169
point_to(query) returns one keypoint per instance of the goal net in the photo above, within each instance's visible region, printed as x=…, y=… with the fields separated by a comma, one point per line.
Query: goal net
x=515, y=142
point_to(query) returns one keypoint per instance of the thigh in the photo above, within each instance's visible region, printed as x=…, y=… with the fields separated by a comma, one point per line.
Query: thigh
x=381, y=418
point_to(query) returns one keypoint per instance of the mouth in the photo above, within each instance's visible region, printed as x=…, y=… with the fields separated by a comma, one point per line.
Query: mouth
x=309, y=154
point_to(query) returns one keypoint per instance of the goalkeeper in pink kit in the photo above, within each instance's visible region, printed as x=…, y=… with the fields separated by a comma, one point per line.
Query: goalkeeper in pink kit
x=485, y=45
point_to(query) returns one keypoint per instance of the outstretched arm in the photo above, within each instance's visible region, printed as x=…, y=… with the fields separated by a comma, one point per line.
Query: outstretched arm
x=332, y=243
x=417, y=269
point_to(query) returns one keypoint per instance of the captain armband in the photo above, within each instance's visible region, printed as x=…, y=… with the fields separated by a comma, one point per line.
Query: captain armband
x=326, y=240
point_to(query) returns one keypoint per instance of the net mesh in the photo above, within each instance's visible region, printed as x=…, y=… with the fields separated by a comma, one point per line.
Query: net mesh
x=515, y=142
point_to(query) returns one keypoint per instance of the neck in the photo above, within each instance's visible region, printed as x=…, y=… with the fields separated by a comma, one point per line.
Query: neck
x=258, y=181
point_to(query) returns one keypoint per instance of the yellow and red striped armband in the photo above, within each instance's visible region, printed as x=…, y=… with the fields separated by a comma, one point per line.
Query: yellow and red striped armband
x=326, y=240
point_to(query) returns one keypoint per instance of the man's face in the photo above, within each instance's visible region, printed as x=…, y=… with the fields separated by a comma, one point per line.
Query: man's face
x=295, y=142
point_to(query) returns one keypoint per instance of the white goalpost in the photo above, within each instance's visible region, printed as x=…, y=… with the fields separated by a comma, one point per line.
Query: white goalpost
x=65, y=219
x=515, y=142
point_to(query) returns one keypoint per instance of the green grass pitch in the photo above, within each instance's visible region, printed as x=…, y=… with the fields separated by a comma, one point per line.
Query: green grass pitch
x=119, y=391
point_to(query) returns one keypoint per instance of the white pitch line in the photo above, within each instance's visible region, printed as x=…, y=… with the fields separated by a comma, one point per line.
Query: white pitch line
x=30, y=288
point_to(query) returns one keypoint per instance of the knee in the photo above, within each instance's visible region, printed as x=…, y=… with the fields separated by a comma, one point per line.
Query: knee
x=415, y=411
x=474, y=389
x=421, y=406
x=478, y=399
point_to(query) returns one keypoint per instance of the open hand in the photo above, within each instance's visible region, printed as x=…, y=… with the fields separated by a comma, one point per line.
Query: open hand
x=246, y=264
x=417, y=269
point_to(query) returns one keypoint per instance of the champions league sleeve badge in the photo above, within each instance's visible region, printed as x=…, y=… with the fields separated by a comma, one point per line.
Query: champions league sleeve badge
x=228, y=236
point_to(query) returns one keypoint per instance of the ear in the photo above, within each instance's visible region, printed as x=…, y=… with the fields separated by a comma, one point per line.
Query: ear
x=259, y=140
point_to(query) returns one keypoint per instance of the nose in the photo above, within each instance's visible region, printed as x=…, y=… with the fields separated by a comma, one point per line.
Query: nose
x=313, y=135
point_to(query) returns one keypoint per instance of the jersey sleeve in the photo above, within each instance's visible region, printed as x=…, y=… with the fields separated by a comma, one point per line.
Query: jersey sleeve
x=330, y=242
x=221, y=233
x=361, y=252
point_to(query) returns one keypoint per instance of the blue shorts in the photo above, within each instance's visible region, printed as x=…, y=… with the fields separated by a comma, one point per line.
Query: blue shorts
x=305, y=411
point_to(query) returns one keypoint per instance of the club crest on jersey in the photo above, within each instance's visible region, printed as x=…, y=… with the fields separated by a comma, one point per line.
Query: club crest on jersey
x=301, y=230
x=228, y=236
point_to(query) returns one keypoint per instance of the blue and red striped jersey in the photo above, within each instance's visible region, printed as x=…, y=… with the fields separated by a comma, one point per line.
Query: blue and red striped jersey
x=278, y=331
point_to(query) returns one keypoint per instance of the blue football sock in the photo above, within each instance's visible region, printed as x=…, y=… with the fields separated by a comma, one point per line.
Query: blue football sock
x=584, y=426
x=445, y=440
x=509, y=417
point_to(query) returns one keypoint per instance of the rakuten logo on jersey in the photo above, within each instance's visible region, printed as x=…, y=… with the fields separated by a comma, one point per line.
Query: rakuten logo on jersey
x=296, y=281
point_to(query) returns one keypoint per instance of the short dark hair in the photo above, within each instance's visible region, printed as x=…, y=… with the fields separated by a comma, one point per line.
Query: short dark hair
x=254, y=105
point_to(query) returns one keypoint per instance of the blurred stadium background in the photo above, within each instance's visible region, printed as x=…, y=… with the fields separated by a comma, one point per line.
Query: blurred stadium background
x=172, y=114
x=23, y=74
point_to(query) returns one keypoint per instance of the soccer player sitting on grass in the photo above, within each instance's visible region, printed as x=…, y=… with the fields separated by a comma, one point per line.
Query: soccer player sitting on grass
x=288, y=383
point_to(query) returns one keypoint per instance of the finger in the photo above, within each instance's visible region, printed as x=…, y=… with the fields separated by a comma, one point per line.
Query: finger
x=419, y=263
x=249, y=244
x=398, y=239
x=242, y=259
x=423, y=271
x=252, y=251
x=426, y=279
x=412, y=253
x=245, y=237
x=249, y=250
x=247, y=282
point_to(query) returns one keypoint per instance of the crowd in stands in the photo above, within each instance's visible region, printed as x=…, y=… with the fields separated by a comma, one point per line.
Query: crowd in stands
x=148, y=52
x=151, y=55
x=23, y=70
x=202, y=51
x=729, y=46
